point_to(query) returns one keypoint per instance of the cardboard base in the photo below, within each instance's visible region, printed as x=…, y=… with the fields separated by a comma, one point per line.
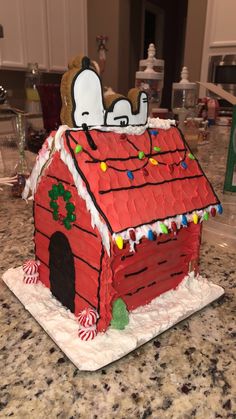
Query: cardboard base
x=145, y=322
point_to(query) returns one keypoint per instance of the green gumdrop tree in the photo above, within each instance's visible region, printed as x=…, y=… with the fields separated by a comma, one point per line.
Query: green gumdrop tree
x=120, y=315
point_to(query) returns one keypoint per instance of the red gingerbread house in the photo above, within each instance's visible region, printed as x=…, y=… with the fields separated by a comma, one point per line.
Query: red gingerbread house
x=117, y=215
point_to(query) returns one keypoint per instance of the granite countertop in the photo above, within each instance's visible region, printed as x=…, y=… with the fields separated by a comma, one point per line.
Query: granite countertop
x=187, y=372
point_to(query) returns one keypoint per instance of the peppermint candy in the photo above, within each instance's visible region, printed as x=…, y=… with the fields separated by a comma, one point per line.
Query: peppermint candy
x=31, y=279
x=87, y=333
x=87, y=317
x=30, y=267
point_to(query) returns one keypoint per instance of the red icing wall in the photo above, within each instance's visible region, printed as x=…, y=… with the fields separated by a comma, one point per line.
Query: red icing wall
x=156, y=266
x=81, y=237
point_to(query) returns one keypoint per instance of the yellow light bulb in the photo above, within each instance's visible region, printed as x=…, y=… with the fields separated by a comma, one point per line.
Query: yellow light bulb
x=103, y=166
x=195, y=218
x=153, y=161
x=119, y=242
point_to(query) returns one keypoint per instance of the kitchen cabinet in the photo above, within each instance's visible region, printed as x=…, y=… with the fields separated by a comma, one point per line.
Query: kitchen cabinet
x=222, y=24
x=48, y=32
x=220, y=33
x=12, y=49
x=67, y=32
x=35, y=41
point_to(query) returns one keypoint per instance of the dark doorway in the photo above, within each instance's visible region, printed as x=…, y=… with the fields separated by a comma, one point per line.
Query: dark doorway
x=62, y=270
x=162, y=22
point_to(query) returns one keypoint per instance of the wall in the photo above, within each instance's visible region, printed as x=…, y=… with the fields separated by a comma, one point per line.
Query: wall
x=195, y=29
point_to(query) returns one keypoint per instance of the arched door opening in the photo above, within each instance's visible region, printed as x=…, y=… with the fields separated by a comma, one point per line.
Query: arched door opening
x=62, y=270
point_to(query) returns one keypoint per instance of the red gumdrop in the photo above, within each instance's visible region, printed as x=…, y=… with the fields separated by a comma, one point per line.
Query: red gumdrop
x=132, y=235
x=213, y=212
x=174, y=227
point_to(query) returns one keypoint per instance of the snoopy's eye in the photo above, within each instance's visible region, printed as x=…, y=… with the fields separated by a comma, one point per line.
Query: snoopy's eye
x=124, y=120
x=85, y=113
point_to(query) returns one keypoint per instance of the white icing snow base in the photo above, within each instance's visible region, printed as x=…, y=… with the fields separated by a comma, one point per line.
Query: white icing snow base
x=145, y=322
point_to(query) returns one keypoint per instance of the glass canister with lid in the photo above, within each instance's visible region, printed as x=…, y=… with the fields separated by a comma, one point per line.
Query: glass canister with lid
x=149, y=80
x=184, y=94
x=184, y=97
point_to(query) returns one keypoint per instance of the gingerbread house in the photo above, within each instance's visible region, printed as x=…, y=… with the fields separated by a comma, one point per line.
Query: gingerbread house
x=118, y=210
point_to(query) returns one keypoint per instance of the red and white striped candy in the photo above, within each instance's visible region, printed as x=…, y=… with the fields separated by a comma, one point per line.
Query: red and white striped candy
x=87, y=333
x=30, y=267
x=87, y=317
x=31, y=279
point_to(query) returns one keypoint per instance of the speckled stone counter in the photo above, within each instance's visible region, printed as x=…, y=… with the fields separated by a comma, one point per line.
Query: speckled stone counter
x=187, y=372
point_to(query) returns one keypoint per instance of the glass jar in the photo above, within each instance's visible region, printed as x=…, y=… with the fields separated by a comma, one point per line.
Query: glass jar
x=152, y=84
x=184, y=98
x=21, y=169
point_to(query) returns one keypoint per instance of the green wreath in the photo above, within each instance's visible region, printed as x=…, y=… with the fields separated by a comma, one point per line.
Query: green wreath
x=56, y=191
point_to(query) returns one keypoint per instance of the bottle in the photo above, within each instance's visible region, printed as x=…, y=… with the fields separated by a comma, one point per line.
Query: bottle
x=212, y=111
x=32, y=80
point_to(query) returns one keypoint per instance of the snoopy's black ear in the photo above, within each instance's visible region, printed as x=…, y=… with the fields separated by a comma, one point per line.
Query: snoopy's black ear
x=85, y=63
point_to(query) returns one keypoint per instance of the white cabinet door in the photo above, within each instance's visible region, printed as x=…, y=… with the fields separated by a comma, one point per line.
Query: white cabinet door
x=67, y=31
x=48, y=32
x=77, y=23
x=57, y=34
x=220, y=33
x=35, y=31
x=25, y=33
x=12, y=46
x=222, y=29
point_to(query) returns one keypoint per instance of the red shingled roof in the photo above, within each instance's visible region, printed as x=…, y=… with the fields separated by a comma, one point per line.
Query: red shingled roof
x=156, y=192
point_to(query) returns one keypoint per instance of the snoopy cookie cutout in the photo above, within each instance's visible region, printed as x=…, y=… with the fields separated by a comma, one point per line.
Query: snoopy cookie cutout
x=119, y=202
x=83, y=102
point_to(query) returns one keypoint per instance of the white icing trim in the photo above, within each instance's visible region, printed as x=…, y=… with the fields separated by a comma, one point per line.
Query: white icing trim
x=161, y=123
x=41, y=160
x=164, y=124
x=44, y=154
x=129, y=130
x=142, y=231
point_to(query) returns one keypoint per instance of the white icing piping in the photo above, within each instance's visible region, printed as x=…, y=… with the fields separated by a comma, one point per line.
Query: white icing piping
x=142, y=231
x=135, y=130
x=41, y=160
x=45, y=154
x=83, y=193
x=161, y=123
